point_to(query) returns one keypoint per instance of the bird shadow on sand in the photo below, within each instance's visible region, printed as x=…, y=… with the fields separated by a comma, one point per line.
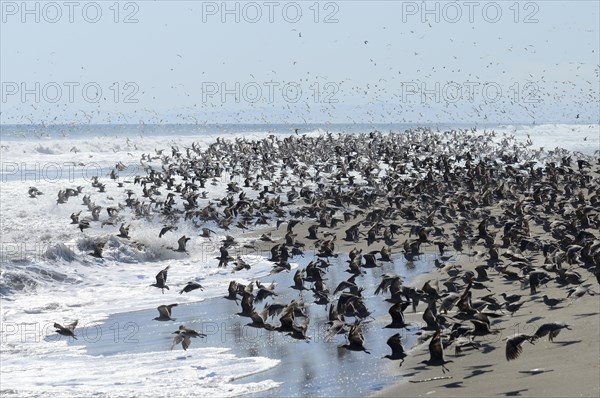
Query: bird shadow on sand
x=487, y=348
x=586, y=314
x=534, y=319
x=420, y=368
x=515, y=393
x=567, y=343
x=409, y=374
x=456, y=384
x=477, y=372
x=489, y=365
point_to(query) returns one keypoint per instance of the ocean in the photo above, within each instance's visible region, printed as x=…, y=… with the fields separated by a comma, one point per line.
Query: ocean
x=48, y=276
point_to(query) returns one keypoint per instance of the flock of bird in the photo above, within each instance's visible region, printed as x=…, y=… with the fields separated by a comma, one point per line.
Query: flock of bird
x=530, y=217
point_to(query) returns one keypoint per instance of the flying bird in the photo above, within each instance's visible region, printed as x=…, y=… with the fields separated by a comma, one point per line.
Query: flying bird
x=68, y=330
x=436, y=352
x=183, y=336
x=191, y=286
x=165, y=312
x=161, y=279
x=513, y=345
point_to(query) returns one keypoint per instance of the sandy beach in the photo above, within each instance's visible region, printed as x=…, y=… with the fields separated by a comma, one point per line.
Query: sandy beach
x=567, y=367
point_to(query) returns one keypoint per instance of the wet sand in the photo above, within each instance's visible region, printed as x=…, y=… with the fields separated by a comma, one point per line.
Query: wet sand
x=316, y=367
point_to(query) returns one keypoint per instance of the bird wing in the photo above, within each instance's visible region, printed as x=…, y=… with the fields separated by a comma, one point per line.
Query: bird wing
x=383, y=286
x=429, y=318
x=436, y=351
x=394, y=343
x=72, y=326
x=480, y=326
x=170, y=306
x=396, y=285
x=298, y=279
x=343, y=285
x=232, y=287
x=544, y=330
x=355, y=336
x=164, y=311
x=287, y=319
x=396, y=313
x=257, y=318
x=176, y=340
x=513, y=347
x=247, y=303
x=162, y=275
x=334, y=329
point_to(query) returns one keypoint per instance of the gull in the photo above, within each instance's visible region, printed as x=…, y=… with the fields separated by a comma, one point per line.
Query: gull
x=161, y=279
x=165, y=312
x=165, y=229
x=356, y=339
x=436, y=352
x=191, y=286
x=397, y=350
x=66, y=330
x=181, y=244
x=183, y=336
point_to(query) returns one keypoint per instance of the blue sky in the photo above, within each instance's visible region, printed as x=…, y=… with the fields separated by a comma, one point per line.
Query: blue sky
x=335, y=62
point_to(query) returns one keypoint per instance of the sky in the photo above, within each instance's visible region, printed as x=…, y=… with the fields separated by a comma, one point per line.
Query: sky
x=299, y=62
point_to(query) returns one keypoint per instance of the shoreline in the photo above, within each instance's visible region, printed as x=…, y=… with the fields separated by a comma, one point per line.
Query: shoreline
x=399, y=198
